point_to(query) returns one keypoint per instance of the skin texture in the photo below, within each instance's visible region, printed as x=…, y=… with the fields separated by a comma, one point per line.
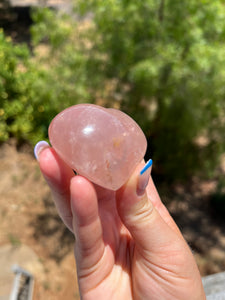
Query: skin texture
x=127, y=245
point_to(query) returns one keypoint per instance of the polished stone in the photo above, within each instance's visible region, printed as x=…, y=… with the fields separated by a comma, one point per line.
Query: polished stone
x=103, y=145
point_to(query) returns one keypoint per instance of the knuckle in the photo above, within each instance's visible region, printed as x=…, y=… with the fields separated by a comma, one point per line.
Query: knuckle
x=141, y=212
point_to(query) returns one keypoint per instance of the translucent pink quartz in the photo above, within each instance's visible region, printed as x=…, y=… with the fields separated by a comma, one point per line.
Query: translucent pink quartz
x=103, y=145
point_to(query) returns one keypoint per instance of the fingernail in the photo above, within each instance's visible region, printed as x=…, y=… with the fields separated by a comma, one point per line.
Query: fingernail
x=143, y=178
x=39, y=147
x=147, y=166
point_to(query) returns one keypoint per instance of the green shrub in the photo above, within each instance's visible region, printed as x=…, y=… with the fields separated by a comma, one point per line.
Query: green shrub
x=13, y=89
x=162, y=62
x=168, y=61
x=21, y=105
x=34, y=87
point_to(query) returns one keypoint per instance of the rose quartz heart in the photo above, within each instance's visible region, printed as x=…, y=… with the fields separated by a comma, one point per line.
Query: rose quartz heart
x=103, y=145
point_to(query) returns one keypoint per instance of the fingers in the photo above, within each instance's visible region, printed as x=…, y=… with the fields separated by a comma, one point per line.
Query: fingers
x=76, y=200
x=90, y=249
x=86, y=222
x=146, y=225
x=58, y=175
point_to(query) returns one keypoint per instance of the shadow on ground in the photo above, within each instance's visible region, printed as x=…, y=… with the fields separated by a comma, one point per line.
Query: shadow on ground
x=50, y=231
x=202, y=224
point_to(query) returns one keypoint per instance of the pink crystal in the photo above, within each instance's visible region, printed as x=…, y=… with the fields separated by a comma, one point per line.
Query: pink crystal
x=103, y=145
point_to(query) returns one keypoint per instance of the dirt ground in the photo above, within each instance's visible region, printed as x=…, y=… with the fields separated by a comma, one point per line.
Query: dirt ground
x=29, y=217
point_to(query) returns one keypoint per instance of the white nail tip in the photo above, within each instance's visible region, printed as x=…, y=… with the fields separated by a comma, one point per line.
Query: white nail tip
x=39, y=147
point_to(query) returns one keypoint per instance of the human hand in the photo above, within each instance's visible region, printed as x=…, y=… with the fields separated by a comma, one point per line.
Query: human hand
x=127, y=245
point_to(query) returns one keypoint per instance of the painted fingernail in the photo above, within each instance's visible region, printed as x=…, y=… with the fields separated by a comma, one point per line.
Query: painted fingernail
x=39, y=147
x=147, y=166
x=143, y=178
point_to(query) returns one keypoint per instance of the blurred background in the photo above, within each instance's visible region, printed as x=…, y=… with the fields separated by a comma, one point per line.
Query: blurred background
x=163, y=63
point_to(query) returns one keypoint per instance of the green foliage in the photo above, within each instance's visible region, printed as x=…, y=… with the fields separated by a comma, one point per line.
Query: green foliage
x=168, y=59
x=13, y=99
x=162, y=62
x=20, y=102
x=34, y=87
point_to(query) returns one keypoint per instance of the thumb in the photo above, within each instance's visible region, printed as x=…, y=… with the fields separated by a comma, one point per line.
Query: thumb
x=148, y=229
x=160, y=250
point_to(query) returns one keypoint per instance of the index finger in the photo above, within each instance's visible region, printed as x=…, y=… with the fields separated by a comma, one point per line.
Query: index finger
x=58, y=176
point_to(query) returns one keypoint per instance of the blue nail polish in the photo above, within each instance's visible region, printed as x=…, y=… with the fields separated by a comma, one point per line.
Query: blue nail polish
x=147, y=166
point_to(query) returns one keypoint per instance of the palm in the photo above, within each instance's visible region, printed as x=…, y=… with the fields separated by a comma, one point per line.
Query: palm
x=122, y=270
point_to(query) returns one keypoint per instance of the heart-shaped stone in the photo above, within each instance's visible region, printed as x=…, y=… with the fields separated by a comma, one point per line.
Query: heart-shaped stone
x=103, y=145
